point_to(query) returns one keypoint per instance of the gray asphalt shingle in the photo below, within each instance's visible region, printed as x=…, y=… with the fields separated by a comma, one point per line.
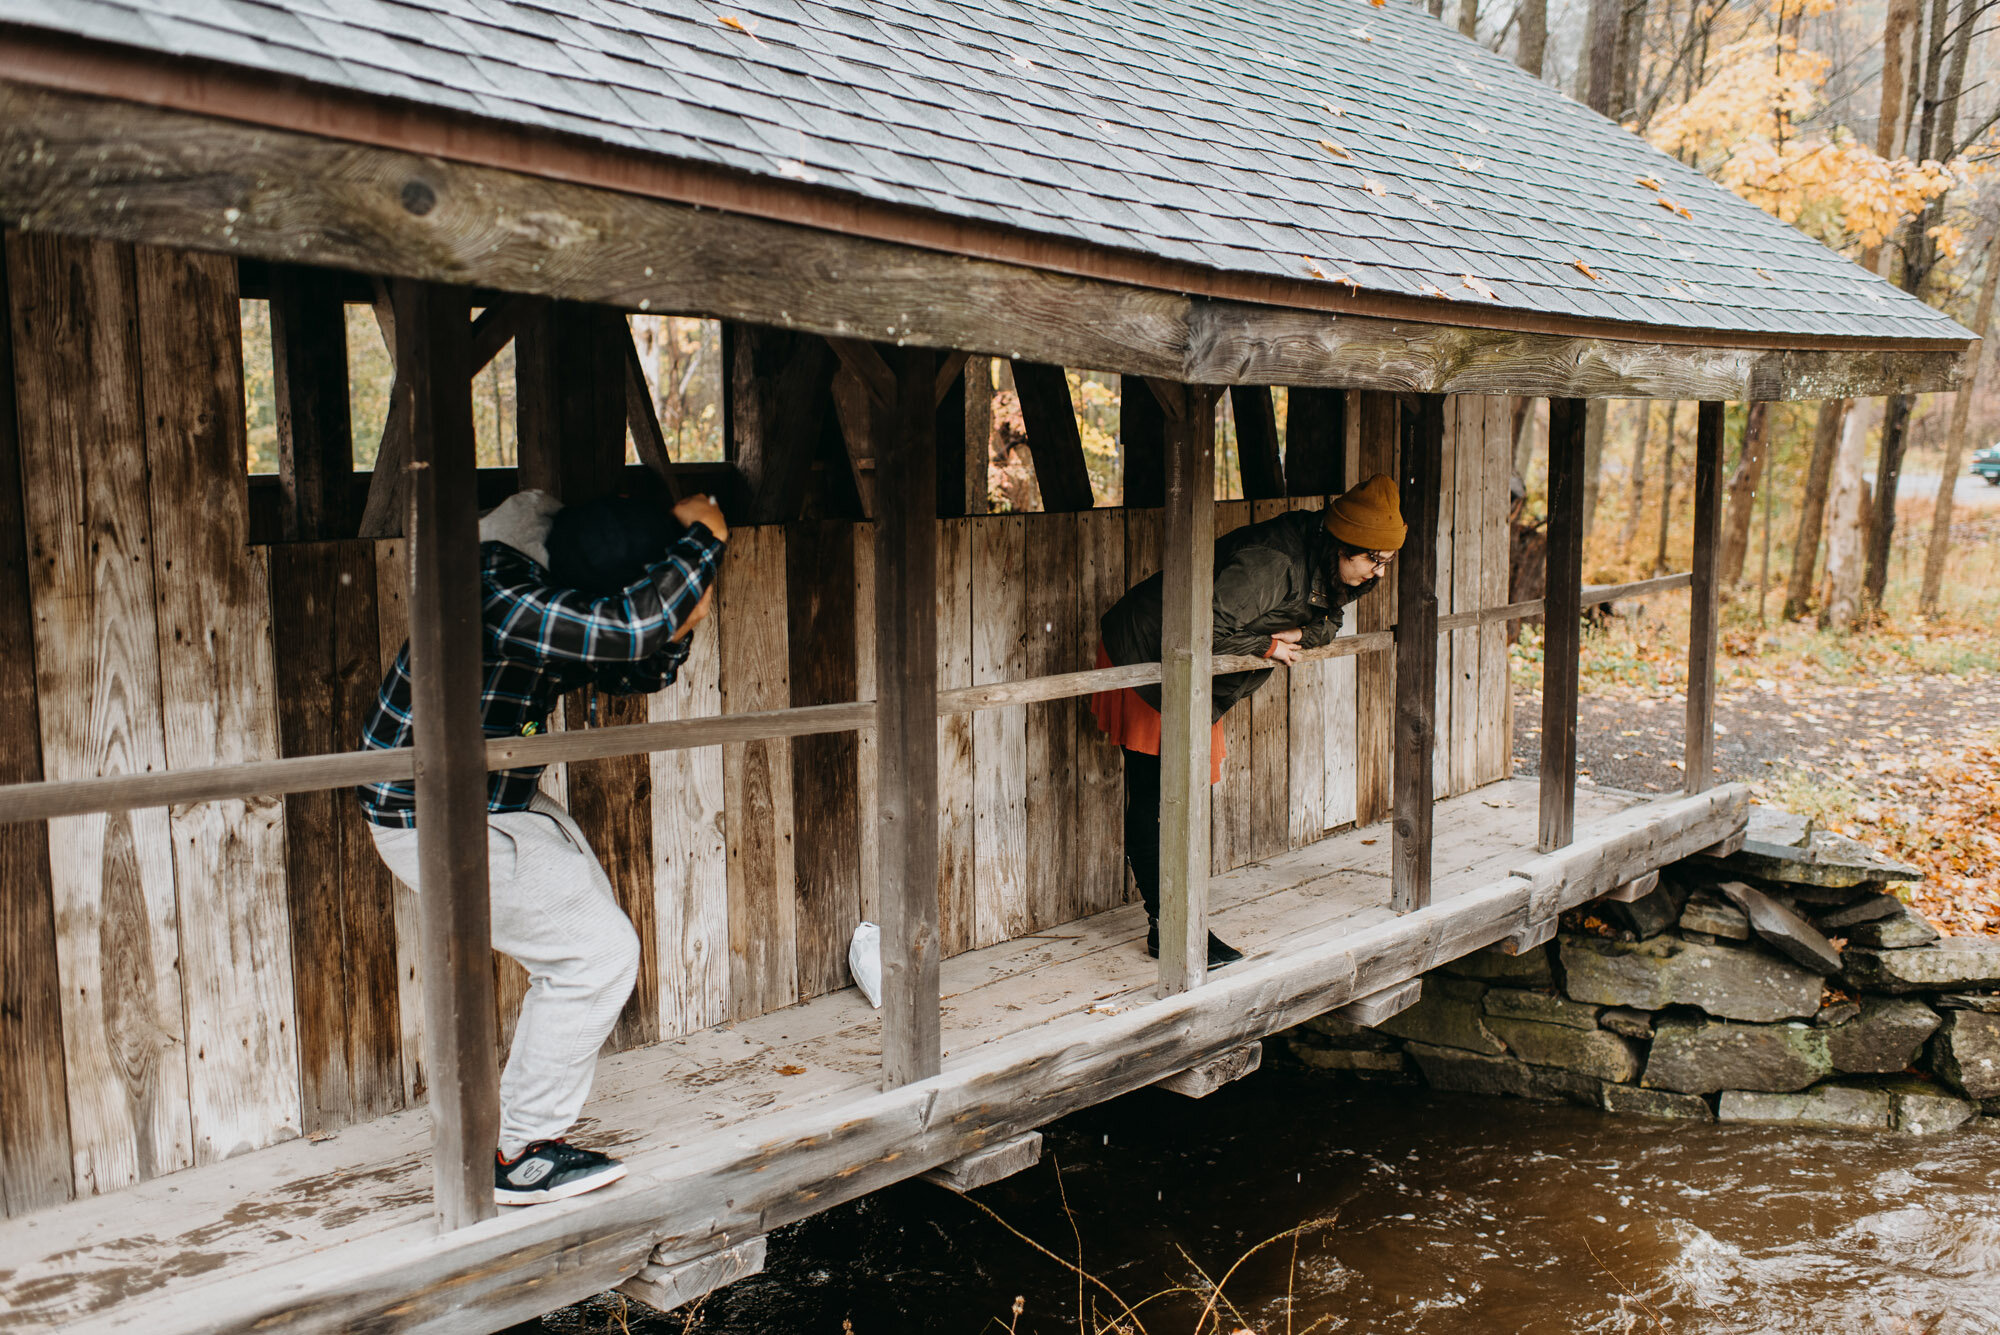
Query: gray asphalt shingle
x=1185, y=129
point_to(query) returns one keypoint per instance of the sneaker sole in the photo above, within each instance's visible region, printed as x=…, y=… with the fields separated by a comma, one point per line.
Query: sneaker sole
x=574, y=1187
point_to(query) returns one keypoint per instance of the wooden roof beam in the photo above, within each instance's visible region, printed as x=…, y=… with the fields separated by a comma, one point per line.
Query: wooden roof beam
x=92, y=166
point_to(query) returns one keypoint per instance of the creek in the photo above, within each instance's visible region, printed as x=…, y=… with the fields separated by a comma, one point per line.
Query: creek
x=1449, y=1213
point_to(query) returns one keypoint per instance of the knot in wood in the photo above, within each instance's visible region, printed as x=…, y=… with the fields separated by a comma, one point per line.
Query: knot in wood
x=419, y=198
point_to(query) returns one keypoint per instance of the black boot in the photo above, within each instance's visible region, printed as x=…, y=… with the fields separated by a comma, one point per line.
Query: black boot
x=1220, y=952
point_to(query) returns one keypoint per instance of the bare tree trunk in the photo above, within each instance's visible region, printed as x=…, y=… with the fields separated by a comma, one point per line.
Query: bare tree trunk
x=1954, y=450
x=1597, y=69
x=1812, y=506
x=1636, y=498
x=1468, y=18
x=1626, y=47
x=1844, y=528
x=1524, y=437
x=1741, y=506
x=1667, y=492
x=1532, y=49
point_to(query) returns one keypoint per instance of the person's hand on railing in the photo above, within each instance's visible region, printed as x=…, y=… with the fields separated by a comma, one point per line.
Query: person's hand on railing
x=1285, y=647
x=700, y=509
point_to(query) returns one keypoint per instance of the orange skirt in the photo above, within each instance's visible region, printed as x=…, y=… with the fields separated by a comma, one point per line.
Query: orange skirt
x=1135, y=725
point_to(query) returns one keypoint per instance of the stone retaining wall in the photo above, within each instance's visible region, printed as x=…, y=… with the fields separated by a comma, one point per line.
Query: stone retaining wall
x=1783, y=983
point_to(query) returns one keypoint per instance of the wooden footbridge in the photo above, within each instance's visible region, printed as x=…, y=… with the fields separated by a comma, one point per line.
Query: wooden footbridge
x=248, y=1083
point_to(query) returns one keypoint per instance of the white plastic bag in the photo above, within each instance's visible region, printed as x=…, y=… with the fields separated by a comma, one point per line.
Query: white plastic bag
x=864, y=960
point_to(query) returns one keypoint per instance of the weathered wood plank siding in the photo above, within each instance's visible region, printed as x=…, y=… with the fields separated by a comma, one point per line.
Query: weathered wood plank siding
x=229, y=974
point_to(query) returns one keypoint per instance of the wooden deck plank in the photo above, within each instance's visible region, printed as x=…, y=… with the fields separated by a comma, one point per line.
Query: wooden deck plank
x=336, y=1234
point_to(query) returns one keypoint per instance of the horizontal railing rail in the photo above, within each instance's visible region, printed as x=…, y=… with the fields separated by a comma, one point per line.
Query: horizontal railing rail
x=51, y=799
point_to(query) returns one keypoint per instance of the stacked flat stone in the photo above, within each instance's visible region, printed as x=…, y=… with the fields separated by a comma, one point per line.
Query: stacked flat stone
x=1783, y=983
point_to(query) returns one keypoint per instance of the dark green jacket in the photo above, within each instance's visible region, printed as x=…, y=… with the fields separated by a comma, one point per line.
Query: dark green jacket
x=1273, y=576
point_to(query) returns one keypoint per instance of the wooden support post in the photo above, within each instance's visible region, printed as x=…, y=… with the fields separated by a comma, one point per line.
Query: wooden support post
x=1707, y=599
x=1257, y=448
x=667, y=1287
x=1049, y=414
x=1315, y=440
x=570, y=399
x=1416, y=654
x=1563, y=624
x=642, y=420
x=1188, y=564
x=1374, y=437
x=1381, y=1005
x=309, y=383
x=977, y=380
x=1142, y=448
x=1199, y=1081
x=433, y=350
x=906, y=673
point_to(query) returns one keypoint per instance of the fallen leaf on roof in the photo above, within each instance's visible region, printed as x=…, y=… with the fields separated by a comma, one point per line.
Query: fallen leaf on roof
x=1765, y=274
x=1374, y=187
x=1480, y=127
x=1674, y=290
x=1462, y=67
x=1480, y=86
x=1313, y=266
x=1426, y=201
x=1332, y=110
x=798, y=171
x=1022, y=61
x=1671, y=207
x=748, y=27
x=1651, y=230
x=1378, y=3
x=1649, y=182
x=789, y=1069
x=1106, y=126
x=1433, y=290
x=1480, y=286
x=1468, y=164
x=1362, y=33
x=1586, y=271
x=1335, y=149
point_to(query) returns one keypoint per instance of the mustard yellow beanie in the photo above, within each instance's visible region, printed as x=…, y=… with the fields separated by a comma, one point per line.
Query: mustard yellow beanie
x=1369, y=516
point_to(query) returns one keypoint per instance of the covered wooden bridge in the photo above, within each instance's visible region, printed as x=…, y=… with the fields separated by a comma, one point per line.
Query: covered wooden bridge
x=248, y=1083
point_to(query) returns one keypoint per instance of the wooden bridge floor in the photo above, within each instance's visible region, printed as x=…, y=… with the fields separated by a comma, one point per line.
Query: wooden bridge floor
x=739, y=1129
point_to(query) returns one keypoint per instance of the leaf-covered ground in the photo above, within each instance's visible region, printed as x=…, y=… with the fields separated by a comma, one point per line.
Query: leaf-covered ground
x=1890, y=737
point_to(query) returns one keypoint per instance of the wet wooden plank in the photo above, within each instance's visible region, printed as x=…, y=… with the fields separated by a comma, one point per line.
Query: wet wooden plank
x=757, y=775
x=346, y=955
x=826, y=813
x=1050, y=620
x=1270, y=710
x=1100, y=777
x=958, y=914
x=691, y=849
x=999, y=736
x=34, y=1133
x=82, y=436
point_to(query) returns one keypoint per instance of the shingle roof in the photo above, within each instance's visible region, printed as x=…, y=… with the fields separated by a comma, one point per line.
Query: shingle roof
x=1185, y=129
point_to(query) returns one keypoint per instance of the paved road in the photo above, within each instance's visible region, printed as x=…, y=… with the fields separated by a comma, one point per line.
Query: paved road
x=1972, y=491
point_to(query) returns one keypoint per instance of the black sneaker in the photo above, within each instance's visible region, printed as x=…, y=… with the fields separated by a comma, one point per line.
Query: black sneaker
x=1220, y=952
x=549, y=1170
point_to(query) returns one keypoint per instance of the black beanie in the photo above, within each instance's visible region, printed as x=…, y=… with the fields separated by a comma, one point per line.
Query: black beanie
x=601, y=546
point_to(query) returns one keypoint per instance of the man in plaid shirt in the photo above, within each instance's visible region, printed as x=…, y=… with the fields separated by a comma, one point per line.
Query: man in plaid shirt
x=603, y=594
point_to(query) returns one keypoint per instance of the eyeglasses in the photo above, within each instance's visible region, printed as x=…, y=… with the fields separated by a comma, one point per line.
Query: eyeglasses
x=1381, y=559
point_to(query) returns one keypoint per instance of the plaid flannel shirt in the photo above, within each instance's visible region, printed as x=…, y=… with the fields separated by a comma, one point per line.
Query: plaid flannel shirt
x=541, y=641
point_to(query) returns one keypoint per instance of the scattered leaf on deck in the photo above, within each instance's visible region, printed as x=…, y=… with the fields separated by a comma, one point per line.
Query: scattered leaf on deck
x=789, y=1069
x=1334, y=148
x=1367, y=841
x=1586, y=271
x=1480, y=286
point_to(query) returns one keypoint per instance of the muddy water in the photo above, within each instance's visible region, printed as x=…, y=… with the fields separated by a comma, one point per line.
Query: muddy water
x=1450, y=1214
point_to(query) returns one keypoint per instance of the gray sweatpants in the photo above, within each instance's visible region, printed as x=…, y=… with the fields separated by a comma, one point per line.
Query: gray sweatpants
x=553, y=911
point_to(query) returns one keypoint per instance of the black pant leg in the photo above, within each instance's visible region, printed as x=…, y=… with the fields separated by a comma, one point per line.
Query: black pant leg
x=1142, y=825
